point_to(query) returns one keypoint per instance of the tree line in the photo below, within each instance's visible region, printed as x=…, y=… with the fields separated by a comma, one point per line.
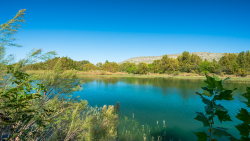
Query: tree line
x=229, y=63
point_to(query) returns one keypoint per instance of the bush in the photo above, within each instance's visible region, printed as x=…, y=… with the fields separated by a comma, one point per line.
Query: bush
x=132, y=70
x=242, y=73
x=169, y=72
x=197, y=71
x=204, y=66
x=142, y=68
x=202, y=74
x=218, y=71
x=176, y=73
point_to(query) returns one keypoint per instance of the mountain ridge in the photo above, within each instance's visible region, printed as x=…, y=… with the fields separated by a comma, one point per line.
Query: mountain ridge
x=149, y=59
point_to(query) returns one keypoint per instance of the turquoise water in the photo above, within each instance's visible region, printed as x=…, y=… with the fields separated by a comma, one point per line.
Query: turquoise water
x=158, y=99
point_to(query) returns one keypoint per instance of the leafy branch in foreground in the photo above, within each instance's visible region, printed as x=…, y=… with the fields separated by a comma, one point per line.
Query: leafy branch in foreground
x=244, y=116
x=213, y=92
x=19, y=119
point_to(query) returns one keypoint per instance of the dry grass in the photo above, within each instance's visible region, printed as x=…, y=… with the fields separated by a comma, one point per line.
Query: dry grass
x=150, y=75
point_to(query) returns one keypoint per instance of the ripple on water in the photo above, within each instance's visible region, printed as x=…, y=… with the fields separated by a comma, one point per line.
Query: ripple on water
x=151, y=101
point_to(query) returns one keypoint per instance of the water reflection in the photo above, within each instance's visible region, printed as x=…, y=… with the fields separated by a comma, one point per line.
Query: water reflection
x=160, y=99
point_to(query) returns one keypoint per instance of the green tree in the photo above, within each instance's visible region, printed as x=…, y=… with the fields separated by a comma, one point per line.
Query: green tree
x=155, y=66
x=99, y=65
x=185, y=62
x=229, y=63
x=132, y=70
x=89, y=66
x=110, y=66
x=204, y=66
x=142, y=68
x=164, y=63
x=124, y=66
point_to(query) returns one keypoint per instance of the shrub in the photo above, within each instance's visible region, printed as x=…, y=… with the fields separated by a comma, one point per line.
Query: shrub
x=132, y=70
x=169, y=72
x=204, y=66
x=197, y=71
x=218, y=71
x=242, y=73
x=202, y=74
x=142, y=68
x=176, y=73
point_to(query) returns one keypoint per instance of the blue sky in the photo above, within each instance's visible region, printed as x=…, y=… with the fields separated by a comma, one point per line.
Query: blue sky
x=116, y=30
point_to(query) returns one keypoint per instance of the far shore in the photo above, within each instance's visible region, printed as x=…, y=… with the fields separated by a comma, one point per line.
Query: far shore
x=82, y=74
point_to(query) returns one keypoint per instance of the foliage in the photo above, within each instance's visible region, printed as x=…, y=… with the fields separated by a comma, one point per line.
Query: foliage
x=155, y=66
x=132, y=70
x=204, y=66
x=244, y=116
x=67, y=64
x=213, y=92
x=18, y=117
x=133, y=131
x=10, y=28
x=99, y=65
x=41, y=108
x=124, y=66
x=176, y=73
x=89, y=66
x=168, y=64
x=77, y=121
x=142, y=68
x=110, y=66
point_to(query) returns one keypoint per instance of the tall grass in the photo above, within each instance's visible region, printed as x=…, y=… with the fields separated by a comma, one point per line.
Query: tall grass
x=131, y=130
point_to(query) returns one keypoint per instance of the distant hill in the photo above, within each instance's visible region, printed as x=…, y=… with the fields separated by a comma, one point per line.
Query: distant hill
x=149, y=59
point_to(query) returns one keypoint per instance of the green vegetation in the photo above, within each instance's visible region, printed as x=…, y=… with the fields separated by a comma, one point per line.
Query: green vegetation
x=43, y=108
x=110, y=66
x=214, y=91
x=230, y=64
x=132, y=130
x=67, y=64
x=244, y=116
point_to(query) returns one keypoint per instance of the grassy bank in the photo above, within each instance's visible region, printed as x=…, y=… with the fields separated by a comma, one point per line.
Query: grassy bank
x=83, y=74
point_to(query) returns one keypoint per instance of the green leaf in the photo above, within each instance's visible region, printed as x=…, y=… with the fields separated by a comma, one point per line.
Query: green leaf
x=244, y=116
x=216, y=78
x=247, y=103
x=225, y=80
x=244, y=129
x=202, y=136
x=207, y=92
x=247, y=96
x=210, y=82
x=244, y=138
x=220, y=108
x=226, y=95
x=201, y=117
x=233, y=138
x=248, y=90
x=220, y=131
x=209, y=106
x=218, y=84
x=223, y=116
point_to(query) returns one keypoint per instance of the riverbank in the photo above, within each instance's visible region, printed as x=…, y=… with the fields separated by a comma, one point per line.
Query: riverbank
x=82, y=74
